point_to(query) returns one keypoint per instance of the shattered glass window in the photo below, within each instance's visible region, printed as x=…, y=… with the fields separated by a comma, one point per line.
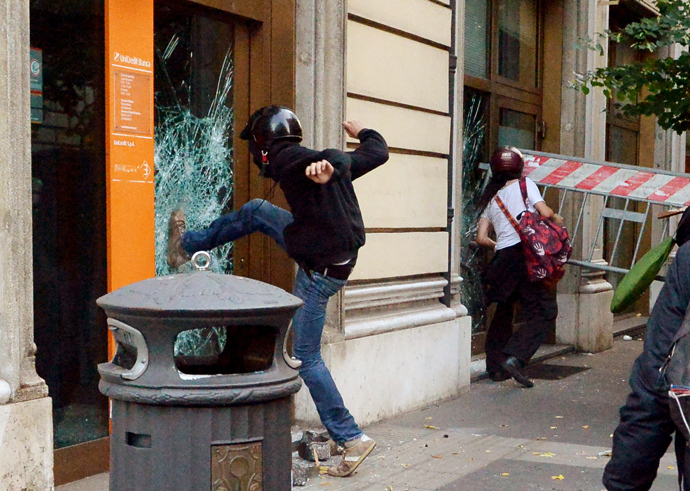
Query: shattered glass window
x=193, y=139
x=474, y=181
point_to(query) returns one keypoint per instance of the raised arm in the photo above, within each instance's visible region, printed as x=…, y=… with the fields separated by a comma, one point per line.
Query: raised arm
x=371, y=152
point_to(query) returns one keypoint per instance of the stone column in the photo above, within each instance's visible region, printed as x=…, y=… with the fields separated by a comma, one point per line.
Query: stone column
x=320, y=71
x=320, y=105
x=320, y=94
x=456, y=162
x=26, y=433
x=585, y=320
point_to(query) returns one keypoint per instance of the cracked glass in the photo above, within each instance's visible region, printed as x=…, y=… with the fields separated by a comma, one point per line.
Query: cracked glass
x=474, y=181
x=193, y=140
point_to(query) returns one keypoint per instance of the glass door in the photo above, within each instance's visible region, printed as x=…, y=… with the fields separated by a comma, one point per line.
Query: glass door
x=198, y=75
x=194, y=152
x=69, y=226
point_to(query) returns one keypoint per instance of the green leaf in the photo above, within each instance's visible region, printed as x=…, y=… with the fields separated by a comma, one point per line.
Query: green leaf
x=641, y=275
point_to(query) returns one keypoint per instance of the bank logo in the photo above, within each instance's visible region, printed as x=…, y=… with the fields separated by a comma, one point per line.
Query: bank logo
x=132, y=60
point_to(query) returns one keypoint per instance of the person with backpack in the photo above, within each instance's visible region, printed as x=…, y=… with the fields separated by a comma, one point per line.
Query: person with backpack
x=646, y=426
x=322, y=233
x=505, y=278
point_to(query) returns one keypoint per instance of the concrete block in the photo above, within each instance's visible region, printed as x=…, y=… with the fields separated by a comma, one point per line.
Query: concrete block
x=314, y=446
x=585, y=320
x=26, y=445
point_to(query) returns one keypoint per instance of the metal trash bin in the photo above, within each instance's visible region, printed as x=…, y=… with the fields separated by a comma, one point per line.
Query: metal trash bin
x=218, y=421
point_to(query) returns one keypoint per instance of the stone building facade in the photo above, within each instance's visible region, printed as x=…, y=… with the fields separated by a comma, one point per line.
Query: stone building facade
x=399, y=336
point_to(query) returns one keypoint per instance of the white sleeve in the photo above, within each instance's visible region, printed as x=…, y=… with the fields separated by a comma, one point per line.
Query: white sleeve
x=533, y=193
x=487, y=211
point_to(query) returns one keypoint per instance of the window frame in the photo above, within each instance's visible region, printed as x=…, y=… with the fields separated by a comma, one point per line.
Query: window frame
x=504, y=92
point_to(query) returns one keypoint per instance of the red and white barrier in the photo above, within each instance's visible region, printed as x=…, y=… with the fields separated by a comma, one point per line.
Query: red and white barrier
x=609, y=179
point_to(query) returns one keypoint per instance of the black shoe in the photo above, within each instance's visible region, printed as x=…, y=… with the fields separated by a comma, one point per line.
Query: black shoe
x=499, y=375
x=513, y=366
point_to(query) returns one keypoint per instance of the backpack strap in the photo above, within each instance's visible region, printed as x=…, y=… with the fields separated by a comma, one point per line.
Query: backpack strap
x=505, y=211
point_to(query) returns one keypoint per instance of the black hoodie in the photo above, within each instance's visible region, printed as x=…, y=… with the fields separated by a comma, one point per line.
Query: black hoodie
x=328, y=226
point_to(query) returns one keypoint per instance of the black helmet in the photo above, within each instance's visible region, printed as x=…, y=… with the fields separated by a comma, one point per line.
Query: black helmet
x=272, y=123
x=507, y=159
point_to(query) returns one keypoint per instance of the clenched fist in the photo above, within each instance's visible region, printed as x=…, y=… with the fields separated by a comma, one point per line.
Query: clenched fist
x=320, y=172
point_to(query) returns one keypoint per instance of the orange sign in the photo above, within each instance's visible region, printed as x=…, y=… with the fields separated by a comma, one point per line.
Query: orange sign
x=129, y=106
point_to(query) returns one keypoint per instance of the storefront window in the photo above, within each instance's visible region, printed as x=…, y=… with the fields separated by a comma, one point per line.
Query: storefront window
x=620, y=55
x=517, y=41
x=474, y=180
x=502, y=107
x=69, y=214
x=622, y=146
x=477, y=38
x=194, y=124
x=516, y=129
x=622, y=149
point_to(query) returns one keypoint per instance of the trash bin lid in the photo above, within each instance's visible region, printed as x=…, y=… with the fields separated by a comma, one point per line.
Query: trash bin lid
x=198, y=292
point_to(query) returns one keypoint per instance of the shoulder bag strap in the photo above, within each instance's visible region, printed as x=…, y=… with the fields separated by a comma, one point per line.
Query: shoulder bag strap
x=505, y=211
x=523, y=190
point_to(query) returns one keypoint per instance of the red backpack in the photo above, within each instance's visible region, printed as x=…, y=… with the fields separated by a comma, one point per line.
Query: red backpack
x=546, y=245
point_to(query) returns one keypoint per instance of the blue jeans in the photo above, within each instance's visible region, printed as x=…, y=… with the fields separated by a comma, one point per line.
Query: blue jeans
x=256, y=216
x=307, y=324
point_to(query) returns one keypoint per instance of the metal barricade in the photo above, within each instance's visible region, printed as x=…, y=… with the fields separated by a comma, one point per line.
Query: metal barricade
x=636, y=186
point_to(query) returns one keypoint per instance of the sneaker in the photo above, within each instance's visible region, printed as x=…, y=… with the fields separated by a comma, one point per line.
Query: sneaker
x=177, y=226
x=513, y=366
x=352, y=457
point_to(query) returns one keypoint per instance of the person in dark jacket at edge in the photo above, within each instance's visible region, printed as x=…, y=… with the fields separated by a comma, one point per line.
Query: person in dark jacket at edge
x=322, y=233
x=646, y=428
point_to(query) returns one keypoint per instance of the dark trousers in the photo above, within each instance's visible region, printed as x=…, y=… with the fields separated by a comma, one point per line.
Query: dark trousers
x=646, y=427
x=508, y=285
x=643, y=435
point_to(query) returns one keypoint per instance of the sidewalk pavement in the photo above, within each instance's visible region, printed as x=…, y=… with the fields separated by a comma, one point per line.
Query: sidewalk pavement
x=500, y=436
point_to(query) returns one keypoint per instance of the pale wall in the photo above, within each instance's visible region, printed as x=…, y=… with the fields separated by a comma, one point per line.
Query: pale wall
x=390, y=255
x=397, y=69
x=397, y=83
x=419, y=17
x=403, y=127
x=387, y=374
x=409, y=191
